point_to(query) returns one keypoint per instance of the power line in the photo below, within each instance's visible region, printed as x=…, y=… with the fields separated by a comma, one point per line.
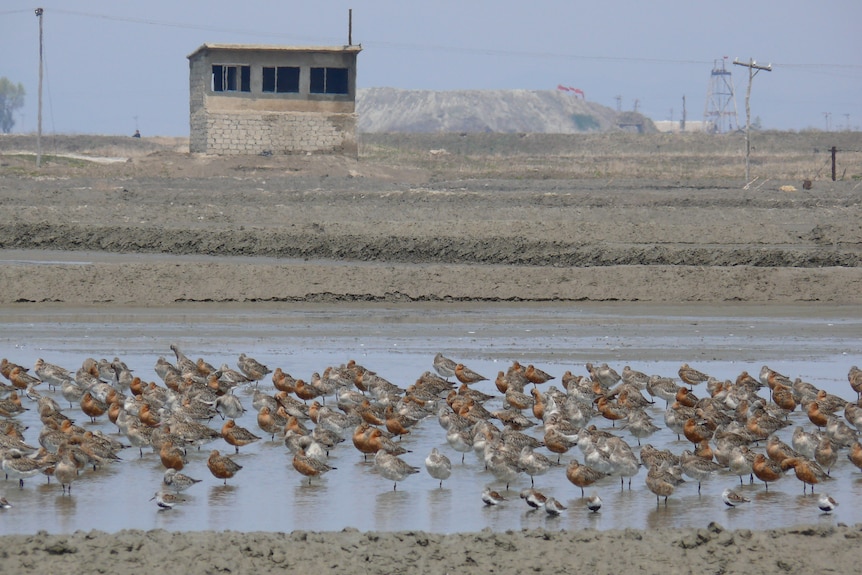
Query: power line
x=812, y=67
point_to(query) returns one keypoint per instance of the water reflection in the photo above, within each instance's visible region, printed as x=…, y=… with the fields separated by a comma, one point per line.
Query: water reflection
x=438, y=506
x=391, y=507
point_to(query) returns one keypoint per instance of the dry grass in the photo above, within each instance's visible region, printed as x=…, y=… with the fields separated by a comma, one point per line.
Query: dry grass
x=782, y=156
x=775, y=155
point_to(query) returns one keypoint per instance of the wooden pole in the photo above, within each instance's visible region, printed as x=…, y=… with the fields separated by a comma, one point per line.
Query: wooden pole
x=753, y=69
x=39, y=12
x=350, y=26
x=834, y=150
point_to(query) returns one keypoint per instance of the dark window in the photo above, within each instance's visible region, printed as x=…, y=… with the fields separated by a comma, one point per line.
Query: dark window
x=282, y=79
x=231, y=78
x=218, y=78
x=329, y=81
x=268, y=80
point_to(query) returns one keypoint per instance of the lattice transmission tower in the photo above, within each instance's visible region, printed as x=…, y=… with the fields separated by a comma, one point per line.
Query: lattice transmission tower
x=720, y=115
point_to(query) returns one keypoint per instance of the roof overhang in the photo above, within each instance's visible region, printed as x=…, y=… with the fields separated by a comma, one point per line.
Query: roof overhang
x=208, y=47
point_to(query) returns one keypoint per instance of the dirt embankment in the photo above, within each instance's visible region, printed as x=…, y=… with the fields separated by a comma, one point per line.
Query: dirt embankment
x=339, y=228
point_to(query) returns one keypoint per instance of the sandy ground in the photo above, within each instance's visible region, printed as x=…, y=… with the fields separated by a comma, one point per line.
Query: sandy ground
x=712, y=549
x=330, y=229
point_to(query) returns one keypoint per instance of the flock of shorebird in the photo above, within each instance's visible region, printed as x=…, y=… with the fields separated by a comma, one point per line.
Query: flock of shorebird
x=732, y=427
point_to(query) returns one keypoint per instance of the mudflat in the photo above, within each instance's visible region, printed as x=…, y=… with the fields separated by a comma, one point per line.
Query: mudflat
x=328, y=228
x=162, y=227
x=711, y=549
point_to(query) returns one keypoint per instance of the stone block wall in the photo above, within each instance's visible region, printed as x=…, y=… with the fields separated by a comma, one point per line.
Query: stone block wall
x=276, y=133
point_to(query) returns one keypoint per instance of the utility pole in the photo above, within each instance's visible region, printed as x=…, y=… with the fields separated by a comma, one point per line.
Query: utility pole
x=39, y=121
x=682, y=122
x=753, y=69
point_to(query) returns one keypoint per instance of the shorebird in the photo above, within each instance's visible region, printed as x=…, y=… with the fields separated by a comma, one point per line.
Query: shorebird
x=392, y=467
x=438, y=465
x=636, y=378
x=766, y=470
x=640, y=425
x=663, y=387
x=491, y=497
x=778, y=451
x=697, y=467
x=236, y=435
x=251, y=368
x=604, y=375
x=553, y=507
x=166, y=499
x=271, y=422
x=582, y=475
x=807, y=471
x=731, y=498
x=172, y=457
x=17, y=465
x=826, y=503
x=53, y=375
x=65, y=471
x=309, y=466
x=691, y=376
x=177, y=481
x=662, y=482
x=804, y=442
x=535, y=499
x=536, y=376
x=854, y=376
x=533, y=463
x=594, y=502
x=228, y=406
x=21, y=379
x=184, y=364
x=466, y=375
x=855, y=455
x=222, y=466
x=459, y=439
x=741, y=462
x=825, y=454
x=4, y=503
x=444, y=366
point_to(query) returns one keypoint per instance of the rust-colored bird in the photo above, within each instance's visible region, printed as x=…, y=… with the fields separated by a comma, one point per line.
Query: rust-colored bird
x=236, y=435
x=222, y=466
x=766, y=470
x=582, y=475
x=466, y=375
x=309, y=466
x=808, y=472
x=92, y=407
x=535, y=375
x=172, y=457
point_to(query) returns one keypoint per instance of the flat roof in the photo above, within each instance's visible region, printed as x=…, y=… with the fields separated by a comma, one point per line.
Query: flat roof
x=355, y=48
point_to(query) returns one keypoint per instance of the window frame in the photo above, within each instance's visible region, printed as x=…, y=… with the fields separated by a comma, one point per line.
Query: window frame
x=333, y=86
x=285, y=79
x=223, y=76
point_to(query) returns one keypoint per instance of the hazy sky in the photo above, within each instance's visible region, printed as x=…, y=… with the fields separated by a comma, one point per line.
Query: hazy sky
x=111, y=65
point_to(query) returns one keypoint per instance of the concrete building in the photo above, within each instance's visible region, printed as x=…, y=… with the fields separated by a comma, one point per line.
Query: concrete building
x=253, y=99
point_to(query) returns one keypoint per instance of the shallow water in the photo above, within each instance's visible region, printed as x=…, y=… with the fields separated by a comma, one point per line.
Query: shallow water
x=817, y=343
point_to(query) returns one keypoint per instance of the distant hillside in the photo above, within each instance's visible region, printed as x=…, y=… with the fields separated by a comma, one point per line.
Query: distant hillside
x=501, y=111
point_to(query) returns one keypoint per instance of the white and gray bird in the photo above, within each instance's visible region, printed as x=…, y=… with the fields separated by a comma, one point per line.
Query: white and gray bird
x=731, y=498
